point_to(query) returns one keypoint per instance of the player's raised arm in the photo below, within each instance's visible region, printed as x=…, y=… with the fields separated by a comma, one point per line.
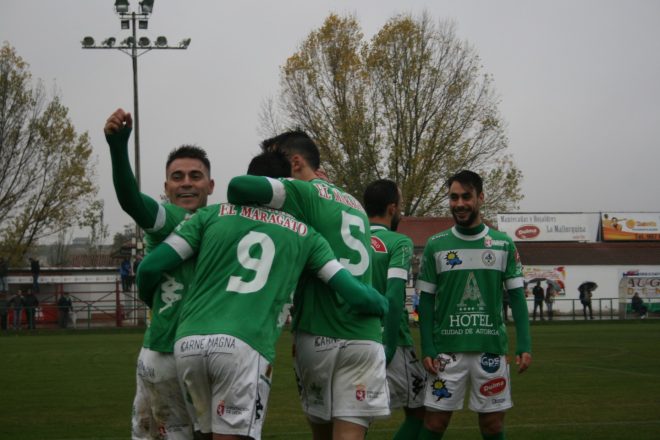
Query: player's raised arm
x=142, y=208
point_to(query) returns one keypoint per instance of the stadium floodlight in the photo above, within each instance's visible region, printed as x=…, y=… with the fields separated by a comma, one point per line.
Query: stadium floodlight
x=88, y=42
x=161, y=41
x=144, y=41
x=184, y=43
x=121, y=6
x=109, y=42
x=146, y=6
x=128, y=41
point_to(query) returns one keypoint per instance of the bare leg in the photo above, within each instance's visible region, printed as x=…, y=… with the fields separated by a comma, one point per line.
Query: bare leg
x=491, y=423
x=343, y=430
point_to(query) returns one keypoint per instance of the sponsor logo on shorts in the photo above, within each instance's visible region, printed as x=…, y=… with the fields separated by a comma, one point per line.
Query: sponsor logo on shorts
x=490, y=362
x=258, y=408
x=440, y=390
x=493, y=387
x=488, y=258
x=361, y=393
x=145, y=371
x=317, y=393
x=322, y=341
x=221, y=342
x=223, y=409
x=443, y=360
x=417, y=384
x=497, y=401
x=191, y=344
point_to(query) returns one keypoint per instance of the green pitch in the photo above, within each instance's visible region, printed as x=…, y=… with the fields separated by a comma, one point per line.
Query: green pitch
x=588, y=380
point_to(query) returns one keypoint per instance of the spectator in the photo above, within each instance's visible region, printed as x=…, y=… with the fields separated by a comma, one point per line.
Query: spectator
x=550, y=294
x=537, y=291
x=16, y=303
x=35, y=268
x=125, y=274
x=64, y=307
x=638, y=306
x=4, y=306
x=4, y=268
x=31, y=303
x=585, y=299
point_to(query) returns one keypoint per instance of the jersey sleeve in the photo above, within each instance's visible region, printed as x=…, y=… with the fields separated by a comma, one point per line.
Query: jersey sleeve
x=142, y=208
x=427, y=279
x=399, y=265
x=321, y=260
x=187, y=237
x=513, y=276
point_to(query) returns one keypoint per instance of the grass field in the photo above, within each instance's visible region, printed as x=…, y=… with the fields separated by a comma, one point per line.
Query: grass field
x=589, y=380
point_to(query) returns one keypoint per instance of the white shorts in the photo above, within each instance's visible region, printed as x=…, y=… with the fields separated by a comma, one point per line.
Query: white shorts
x=488, y=374
x=406, y=378
x=159, y=408
x=227, y=381
x=340, y=378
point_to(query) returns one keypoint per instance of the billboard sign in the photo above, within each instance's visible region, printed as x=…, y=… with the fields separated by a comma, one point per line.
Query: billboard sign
x=631, y=226
x=549, y=227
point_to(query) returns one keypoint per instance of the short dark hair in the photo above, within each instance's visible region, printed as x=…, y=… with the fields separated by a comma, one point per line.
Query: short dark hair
x=294, y=142
x=270, y=164
x=189, y=152
x=468, y=179
x=378, y=195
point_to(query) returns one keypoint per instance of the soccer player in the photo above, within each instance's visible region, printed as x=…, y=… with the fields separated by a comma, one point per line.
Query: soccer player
x=339, y=359
x=391, y=254
x=249, y=260
x=460, y=315
x=159, y=407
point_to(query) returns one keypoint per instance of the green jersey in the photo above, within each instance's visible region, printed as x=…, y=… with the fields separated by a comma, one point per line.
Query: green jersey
x=390, y=258
x=262, y=253
x=340, y=218
x=466, y=273
x=167, y=299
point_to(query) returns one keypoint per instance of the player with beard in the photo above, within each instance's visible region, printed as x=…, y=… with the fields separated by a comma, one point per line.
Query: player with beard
x=390, y=258
x=463, y=334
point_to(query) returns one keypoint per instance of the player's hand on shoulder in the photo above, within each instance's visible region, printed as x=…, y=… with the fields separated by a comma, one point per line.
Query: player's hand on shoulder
x=118, y=120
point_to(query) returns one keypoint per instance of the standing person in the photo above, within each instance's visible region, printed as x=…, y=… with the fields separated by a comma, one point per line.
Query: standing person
x=159, y=406
x=342, y=379
x=637, y=304
x=4, y=307
x=4, y=270
x=35, y=268
x=391, y=254
x=16, y=303
x=125, y=274
x=537, y=291
x=585, y=299
x=31, y=303
x=462, y=332
x=550, y=293
x=249, y=261
x=64, y=308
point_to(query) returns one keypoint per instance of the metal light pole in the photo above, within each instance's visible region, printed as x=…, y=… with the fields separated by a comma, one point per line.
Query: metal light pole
x=134, y=48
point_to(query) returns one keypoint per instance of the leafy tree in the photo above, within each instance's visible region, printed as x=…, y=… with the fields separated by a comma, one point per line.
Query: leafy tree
x=46, y=171
x=411, y=105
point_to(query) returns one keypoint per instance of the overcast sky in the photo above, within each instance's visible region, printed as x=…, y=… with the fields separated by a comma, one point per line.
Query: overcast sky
x=579, y=83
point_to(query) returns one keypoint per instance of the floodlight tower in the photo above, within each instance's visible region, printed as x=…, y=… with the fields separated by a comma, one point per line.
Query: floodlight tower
x=134, y=47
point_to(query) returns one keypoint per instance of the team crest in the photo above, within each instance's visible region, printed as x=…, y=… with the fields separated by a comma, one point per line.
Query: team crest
x=440, y=390
x=377, y=245
x=452, y=259
x=361, y=393
x=221, y=408
x=488, y=241
x=488, y=258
